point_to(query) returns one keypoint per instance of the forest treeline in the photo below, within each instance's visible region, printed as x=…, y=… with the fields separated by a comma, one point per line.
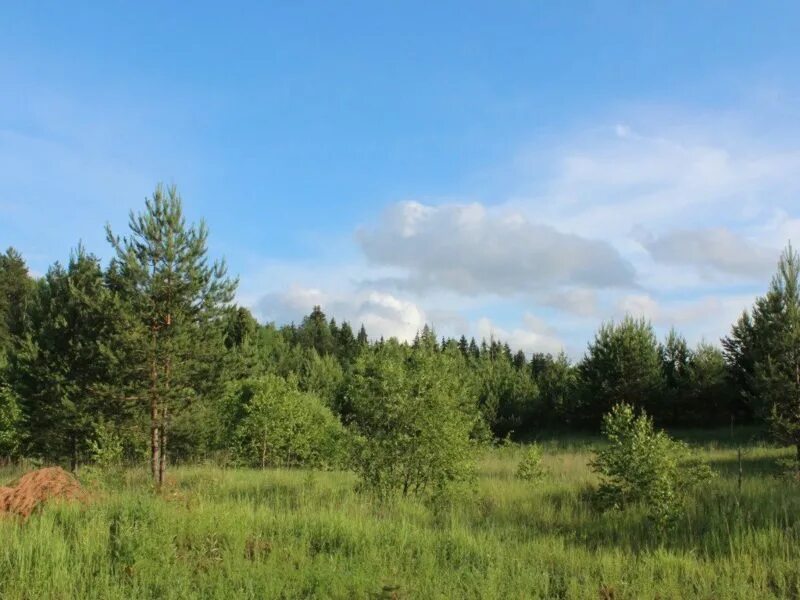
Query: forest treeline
x=148, y=357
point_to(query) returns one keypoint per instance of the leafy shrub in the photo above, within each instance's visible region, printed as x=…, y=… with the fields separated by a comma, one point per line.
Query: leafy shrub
x=106, y=449
x=644, y=466
x=412, y=420
x=282, y=426
x=530, y=467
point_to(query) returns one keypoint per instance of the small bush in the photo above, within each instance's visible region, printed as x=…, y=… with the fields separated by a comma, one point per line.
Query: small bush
x=530, y=467
x=644, y=466
x=412, y=420
x=282, y=426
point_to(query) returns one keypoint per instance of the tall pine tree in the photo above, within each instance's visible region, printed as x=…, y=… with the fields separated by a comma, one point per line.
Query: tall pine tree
x=162, y=271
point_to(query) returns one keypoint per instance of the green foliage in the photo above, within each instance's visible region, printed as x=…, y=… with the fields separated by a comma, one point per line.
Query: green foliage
x=643, y=466
x=321, y=376
x=10, y=422
x=65, y=368
x=177, y=301
x=283, y=426
x=507, y=396
x=530, y=467
x=622, y=364
x=764, y=352
x=558, y=383
x=16, y=289
x=106, y=449
x=412, y=420
x=315, y=332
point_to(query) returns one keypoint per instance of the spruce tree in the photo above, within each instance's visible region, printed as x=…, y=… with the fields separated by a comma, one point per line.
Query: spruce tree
x=768, y=348
x=64, y=369
x=622, y=365
x=16, y=290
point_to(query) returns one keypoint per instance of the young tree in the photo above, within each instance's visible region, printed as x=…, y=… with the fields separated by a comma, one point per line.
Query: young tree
x=641, y=465
x=411, y=418
x=162, y=272
x=621, y=365
x=281, y=426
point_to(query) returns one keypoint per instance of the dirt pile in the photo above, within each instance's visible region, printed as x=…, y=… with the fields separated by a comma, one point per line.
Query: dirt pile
x=37, y=487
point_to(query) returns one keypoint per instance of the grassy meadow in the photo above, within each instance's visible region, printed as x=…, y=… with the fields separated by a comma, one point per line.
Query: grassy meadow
x=216, y=533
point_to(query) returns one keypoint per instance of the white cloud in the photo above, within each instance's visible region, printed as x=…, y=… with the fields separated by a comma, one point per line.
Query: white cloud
x=533, y=336
x=680, y=222
x=381, y=313
x=712, y=251
x=679, y=174
x=705, y=318
x=577, y=301
x=472, y=250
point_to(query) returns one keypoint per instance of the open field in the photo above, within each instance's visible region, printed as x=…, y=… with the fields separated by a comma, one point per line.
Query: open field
x=299, y=534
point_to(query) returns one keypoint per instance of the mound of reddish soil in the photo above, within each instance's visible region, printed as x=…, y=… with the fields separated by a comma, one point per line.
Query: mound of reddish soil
x=37, y=487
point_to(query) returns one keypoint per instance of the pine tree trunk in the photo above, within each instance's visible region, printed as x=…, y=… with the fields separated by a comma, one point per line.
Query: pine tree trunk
x=162, y=464
x=155, y=434
x=155, y=439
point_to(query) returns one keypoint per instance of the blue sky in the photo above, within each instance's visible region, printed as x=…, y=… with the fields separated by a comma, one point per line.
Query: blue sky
x=522, y=169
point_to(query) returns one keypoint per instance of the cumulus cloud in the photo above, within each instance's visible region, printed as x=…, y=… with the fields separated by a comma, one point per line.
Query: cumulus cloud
x=715, y=198
x=704, y=318
x=469, y=249
x=716, y=250
x=382, y=314
x=577, y=301
x=533, y=336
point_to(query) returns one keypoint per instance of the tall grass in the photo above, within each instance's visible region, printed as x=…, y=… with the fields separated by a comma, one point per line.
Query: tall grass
x=300, y=534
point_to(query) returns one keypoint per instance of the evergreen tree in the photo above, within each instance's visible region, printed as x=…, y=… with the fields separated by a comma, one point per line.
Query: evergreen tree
x=241, y=327
x=463, y=345
x=675, y=359
x=622, y=365
x=767, y=350
x=557, y=380
x=162, y=272
x=712, y=401
x=474, y=350
x=346, y=345
x=16, y=290
x=315, y=332
x=739, y=349
x=64, y=371
x=362, y=338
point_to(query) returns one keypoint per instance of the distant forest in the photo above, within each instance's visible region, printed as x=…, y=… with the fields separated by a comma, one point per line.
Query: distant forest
x=147, y=356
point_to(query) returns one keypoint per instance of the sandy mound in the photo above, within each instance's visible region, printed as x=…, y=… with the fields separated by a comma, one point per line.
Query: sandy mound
x=38, y=487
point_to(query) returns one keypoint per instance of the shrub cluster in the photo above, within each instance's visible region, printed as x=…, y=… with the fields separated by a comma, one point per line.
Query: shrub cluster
x=644, y=466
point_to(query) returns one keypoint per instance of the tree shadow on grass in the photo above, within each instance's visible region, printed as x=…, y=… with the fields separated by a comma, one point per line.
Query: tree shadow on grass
x=751, y=466
x=715, y=522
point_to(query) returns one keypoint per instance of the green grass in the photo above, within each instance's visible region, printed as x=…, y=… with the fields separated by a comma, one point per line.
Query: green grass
x=295, y=534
